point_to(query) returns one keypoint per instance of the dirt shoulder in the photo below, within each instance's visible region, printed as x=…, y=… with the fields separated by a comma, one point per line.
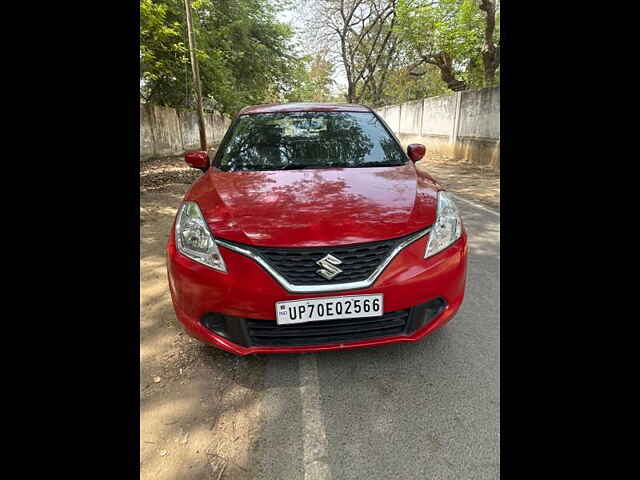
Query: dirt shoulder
x=468, y=181
x=198, y=405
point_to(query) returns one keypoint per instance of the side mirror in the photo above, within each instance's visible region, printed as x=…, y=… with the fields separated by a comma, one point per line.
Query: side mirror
x=416, y=151
x=196, y=159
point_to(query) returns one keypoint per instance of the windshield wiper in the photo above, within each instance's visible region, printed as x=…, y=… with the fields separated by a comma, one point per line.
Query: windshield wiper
x=383, y=164
x=298, y=166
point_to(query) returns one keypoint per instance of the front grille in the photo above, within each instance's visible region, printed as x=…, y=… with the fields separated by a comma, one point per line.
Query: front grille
x=264, y=333
x=298, y=265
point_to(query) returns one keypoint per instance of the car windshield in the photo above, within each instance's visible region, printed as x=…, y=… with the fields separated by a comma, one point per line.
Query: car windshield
x=284, y=141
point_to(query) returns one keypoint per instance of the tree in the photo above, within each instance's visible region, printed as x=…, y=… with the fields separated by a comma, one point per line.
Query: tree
x=360, y=35
x=313, y=79
x=163, y=54
x=490, y=48
x=453, y=36
x=401, y=86
x=374, y=90
x=243, y=52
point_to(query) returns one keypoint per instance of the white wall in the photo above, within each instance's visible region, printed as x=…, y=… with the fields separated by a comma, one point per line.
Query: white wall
x=464, y=126
x=165, y=131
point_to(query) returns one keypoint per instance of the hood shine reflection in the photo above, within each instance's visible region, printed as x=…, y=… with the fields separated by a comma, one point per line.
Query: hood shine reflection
x=316, y=207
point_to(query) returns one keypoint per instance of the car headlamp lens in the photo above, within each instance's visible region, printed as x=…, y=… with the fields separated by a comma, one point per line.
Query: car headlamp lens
x=447, y=228
x=194, y=240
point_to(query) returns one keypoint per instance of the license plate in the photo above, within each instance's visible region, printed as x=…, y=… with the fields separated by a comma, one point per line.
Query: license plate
x=328, y=308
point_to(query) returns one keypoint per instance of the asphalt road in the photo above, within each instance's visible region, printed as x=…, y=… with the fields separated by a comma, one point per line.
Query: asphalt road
x=427, y=410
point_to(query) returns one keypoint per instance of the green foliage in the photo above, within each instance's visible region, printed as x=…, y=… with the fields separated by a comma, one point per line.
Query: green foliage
x=403, y=87
x=243, y=53
x=455, y=27
x=312, y=80
x=162, y=47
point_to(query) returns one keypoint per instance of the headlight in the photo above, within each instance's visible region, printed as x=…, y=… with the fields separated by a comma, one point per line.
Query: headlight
x=194, y=240
x=448, y=226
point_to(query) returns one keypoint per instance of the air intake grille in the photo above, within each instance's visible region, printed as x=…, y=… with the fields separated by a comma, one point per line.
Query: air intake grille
x=268, y=334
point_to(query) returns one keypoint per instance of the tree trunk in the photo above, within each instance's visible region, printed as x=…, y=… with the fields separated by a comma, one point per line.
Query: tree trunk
x=444, y=63
x=351, y=93
x=448, y=76
x=490, y=52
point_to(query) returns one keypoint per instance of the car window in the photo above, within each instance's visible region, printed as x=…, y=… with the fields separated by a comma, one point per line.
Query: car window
x=278, y=141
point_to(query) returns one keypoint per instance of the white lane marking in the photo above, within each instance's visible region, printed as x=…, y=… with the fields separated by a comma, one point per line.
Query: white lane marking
x=314, y=436
x=475, y=205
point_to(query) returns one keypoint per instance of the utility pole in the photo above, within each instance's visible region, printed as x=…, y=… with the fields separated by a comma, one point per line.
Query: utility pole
x=195, y=70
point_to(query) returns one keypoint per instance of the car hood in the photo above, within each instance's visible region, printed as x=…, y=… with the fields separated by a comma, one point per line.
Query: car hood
x=319, y=207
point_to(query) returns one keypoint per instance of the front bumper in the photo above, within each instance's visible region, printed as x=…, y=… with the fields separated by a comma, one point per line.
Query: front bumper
x=248, y=292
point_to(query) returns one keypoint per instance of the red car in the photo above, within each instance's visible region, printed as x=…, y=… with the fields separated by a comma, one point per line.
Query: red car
x=311, y=229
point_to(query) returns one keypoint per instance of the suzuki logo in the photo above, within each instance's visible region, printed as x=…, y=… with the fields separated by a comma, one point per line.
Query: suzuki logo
x=328, y=264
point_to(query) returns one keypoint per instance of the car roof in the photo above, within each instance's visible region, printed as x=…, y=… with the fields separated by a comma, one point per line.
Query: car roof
x=303, y=107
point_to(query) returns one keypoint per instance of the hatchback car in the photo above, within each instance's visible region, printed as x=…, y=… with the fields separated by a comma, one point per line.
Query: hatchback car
x=311, y=229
